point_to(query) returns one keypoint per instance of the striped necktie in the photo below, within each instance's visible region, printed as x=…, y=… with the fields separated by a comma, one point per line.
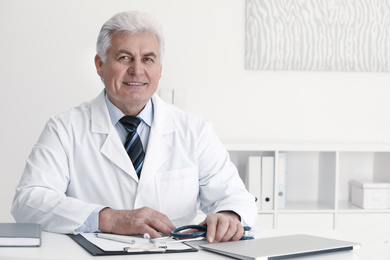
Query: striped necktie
x=133, y=144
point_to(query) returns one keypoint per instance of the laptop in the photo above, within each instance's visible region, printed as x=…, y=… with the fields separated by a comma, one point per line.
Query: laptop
x=281, y=247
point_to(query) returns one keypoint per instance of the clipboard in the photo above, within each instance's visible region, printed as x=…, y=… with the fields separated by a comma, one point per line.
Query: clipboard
x=96, y=251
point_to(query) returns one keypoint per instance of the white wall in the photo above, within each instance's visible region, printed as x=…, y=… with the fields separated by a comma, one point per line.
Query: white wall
x=46, y=66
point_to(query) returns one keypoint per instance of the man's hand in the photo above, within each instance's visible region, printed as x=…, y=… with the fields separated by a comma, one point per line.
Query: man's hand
x=223, y=226
x=134, y=222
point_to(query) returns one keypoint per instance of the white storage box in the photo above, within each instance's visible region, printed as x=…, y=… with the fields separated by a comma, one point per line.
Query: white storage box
x=371, y=194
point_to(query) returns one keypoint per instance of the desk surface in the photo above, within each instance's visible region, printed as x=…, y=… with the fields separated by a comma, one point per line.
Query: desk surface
x=57, y=246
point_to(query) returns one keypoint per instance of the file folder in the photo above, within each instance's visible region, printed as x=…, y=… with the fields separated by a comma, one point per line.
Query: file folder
x=254, y=178
x=267, y=182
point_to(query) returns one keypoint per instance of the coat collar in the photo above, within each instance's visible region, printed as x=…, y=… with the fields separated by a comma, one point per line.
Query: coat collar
x=101, y=121
x=159, y=148
x=100, y=117
x=163, y=119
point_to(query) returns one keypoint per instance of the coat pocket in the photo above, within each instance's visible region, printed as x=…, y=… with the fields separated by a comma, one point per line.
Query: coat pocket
x=178, y=194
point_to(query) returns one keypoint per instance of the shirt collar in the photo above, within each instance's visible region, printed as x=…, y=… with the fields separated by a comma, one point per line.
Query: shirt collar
x=116, y=114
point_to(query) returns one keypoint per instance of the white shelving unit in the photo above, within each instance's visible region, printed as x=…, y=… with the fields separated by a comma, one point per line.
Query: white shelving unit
x=318, y=189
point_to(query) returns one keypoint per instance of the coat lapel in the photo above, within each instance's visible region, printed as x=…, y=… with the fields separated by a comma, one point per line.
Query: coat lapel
x=159, y=148
x=112, y=147
x=114, y=151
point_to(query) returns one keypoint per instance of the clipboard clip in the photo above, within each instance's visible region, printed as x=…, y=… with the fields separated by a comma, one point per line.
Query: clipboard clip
x=144, y=250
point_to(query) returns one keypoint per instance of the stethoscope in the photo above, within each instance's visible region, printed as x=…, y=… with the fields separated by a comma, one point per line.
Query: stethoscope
x=178, y=236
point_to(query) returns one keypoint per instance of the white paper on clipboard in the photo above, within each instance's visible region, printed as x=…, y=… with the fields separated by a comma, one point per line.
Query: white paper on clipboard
x=140, y=243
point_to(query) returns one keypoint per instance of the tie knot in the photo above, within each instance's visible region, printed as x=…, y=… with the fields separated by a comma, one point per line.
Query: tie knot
x=130, y=122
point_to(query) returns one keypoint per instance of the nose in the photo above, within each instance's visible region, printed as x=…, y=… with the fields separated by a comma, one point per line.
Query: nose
x=135, y=68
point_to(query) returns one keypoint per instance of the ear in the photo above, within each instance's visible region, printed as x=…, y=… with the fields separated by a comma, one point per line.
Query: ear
x=160, y=71
x=99, y=65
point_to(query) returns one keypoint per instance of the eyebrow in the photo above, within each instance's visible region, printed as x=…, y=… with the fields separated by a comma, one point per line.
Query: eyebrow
x=147, y=54
x=150, y=54
x=124, y=51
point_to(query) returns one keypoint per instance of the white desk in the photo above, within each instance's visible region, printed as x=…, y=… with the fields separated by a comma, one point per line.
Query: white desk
x=57, y=246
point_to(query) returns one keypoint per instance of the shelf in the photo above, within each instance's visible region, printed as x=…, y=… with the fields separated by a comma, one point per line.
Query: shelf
x=348, y=207
x=306, y=146
x=306, y=206
x=316, y=180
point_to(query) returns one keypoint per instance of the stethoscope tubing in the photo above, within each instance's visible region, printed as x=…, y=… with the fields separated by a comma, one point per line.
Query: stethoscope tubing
x=202, y=232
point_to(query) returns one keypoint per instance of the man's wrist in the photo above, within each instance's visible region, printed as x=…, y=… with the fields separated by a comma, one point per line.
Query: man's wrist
x=105, y=220
x=231, y=213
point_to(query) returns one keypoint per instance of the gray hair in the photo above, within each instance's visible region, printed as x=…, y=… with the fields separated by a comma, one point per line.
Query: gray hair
x=131, y=22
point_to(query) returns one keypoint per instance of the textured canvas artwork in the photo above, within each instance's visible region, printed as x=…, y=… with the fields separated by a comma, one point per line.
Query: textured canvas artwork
x=325, y=35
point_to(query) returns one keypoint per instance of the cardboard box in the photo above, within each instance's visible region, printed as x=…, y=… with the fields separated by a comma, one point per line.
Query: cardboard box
x=371, y=194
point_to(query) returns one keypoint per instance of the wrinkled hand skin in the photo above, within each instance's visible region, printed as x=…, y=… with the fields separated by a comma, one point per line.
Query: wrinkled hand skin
x=134, y=222
x=223, y=226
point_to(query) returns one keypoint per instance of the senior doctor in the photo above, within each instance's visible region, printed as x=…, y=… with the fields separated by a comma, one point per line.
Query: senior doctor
x=80, y=178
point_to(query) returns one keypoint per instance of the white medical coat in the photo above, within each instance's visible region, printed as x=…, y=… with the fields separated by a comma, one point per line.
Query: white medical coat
x=79, y=163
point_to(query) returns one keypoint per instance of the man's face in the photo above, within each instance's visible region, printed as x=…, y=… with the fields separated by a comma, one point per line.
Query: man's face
x=132, y=70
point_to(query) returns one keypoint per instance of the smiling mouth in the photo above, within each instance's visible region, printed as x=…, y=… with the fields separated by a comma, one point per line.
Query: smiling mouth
x=134, y=83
